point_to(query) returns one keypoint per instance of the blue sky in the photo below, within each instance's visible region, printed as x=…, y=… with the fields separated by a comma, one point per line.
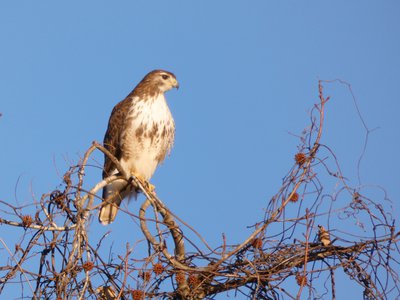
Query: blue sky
x=248, y=73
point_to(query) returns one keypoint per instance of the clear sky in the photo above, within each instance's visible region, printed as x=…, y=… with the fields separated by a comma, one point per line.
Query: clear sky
x=248, y=73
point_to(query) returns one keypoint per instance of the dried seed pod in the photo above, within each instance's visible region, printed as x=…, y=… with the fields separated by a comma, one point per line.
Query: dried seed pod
x=88, y=266
x=180, y=277
x=193, y=280
x=137, y=294
x=294, y=197
x=146, y=276
x=301, y=279
x=158, y=269
x=300, y=158
x=27, y=220
x=257, y=243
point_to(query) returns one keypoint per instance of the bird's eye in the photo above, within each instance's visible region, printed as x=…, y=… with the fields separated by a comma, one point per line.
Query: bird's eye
x=165, y=77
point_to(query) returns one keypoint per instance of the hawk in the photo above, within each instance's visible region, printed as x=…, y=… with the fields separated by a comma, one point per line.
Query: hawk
x=140, y=133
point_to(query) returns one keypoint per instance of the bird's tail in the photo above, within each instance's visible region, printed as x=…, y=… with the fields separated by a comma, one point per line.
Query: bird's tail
x=112, y=195
x=108, y=212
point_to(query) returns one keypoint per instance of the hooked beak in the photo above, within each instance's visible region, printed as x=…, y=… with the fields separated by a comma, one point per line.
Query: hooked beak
x=176, y=85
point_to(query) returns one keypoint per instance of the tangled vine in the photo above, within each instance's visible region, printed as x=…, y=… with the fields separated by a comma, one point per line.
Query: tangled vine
x=304, y=237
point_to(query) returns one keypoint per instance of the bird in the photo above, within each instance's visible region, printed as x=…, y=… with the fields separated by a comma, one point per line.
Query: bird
x=323, y=236
x=106, y=293
x=140, y=133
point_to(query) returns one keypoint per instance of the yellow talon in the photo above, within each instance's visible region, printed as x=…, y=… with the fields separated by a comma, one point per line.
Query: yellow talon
x=147, y=185
x=150, y=187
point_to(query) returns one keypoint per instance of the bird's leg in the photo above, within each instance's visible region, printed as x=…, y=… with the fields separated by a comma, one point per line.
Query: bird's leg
x=147, y=185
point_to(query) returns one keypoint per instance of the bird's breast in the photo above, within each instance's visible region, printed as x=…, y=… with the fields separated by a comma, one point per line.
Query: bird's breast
x=148, y=137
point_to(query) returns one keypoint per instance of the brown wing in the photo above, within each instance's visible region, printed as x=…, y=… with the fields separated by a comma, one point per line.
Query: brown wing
x=112, y=137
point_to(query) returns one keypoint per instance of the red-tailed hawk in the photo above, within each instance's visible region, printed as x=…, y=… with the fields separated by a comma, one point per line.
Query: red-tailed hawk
x=140, y=133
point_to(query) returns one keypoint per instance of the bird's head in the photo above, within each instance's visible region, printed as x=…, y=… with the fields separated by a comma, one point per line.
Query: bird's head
x=164, y=80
